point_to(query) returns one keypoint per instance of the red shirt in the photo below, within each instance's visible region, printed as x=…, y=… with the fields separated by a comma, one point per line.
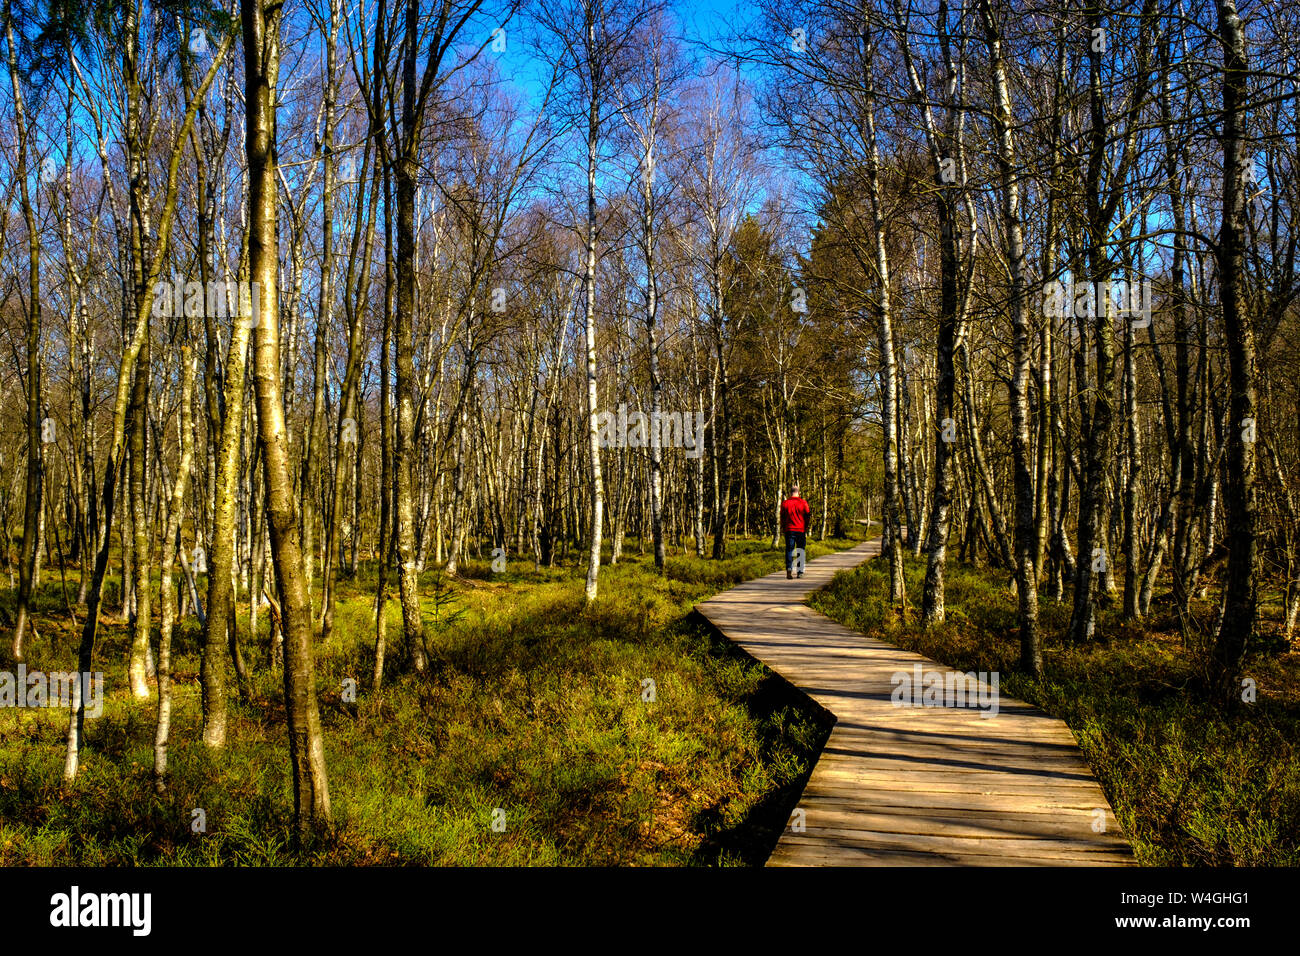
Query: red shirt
x=794, y=515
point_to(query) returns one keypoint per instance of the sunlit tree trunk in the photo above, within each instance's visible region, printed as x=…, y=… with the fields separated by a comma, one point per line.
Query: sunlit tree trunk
x=137, y=491
x=171, y=543
x=596, y=485
x=404, y=175
x=221, y=559
x=315, y=439
x=1026, y=545
x=261, y=38
x=892, y=544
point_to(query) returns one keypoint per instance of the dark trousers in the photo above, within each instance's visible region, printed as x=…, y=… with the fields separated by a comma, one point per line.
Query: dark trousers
x=794, y=539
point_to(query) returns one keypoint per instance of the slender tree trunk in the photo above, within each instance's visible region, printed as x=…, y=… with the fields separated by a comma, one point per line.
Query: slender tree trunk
x=1133, y=473
x=652, y=348
x=261, y=37
x=1184, y=451
x=316, y=428
x=33, y=491
x=142, y=616
x=386, y=483
x=944, y=147
x=1239, y=497
x=171, y=542
x=1094, y=514
x=407, y=167
x=1026, y=545
x=356, y=298
x=221, y=559
x=589, y=312
x=892, y=544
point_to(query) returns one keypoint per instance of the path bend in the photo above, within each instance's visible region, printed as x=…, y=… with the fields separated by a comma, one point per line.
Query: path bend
x=915, y=785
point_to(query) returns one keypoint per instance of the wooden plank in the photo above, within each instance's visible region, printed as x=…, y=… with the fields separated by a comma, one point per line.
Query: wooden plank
x=921, y=800
x=1059, y=848
x=915, y=785
x=1073, y=825
x=1007, y=753
x=870, y=761
x=853, y=815
x=830, y=854
x=921, y=793
x=920, y=782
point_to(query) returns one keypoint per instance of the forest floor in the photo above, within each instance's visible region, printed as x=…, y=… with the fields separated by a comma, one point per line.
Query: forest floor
x=1191, y=784
x=533, y=715
x=535, y=706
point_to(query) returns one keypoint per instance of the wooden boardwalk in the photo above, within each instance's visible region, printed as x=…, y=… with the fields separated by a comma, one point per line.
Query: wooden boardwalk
x=915, y=785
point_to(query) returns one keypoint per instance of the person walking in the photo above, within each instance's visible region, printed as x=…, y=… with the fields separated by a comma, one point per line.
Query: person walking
x=794, y=523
